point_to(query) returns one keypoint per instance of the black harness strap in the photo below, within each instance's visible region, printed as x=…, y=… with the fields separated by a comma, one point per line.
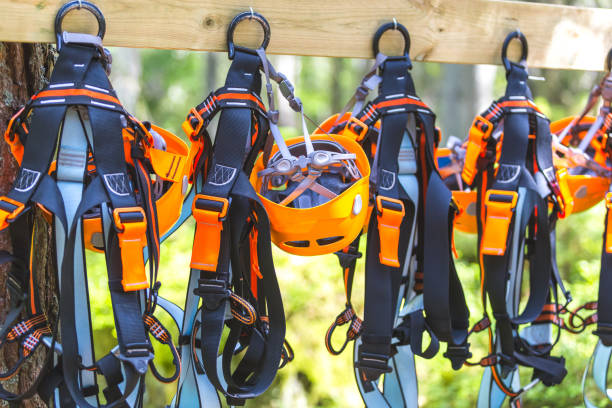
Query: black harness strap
x=383, y=273
x=112, y=185
x=228, y=201
x=443, y=297
x=514, y=202
x=604, y=303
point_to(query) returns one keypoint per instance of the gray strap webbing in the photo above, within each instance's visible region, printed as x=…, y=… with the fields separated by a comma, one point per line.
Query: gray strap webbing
x=193, y=389
x=71, y=167
x=490, y=395
x=598, y=363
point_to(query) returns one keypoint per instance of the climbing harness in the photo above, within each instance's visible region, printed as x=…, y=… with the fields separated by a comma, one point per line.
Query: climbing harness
x=100, y=181
x=584, y=146
x=508, y=159
x=406, y=274
x=232, y=272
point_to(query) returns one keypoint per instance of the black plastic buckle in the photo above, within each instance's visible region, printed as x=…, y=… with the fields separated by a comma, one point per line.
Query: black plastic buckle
x=273, y=116
x=604, y=332
x=138, y=356
x=372, y=365
x=458, y=354
x=214, y=293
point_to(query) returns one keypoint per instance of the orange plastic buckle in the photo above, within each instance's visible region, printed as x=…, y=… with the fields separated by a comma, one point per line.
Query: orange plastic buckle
x=131, y=225
x=500, y=208
x=565, y=198
x=188, y=129
x=255, y=271
x=390, y=215
x=12, y=139
x=479, y=135
x=9, y=210
x=209, y=212
x=364, y=128
x=609, y=223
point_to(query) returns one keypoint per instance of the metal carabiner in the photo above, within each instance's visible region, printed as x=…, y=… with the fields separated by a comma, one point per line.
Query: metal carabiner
x=524, y=49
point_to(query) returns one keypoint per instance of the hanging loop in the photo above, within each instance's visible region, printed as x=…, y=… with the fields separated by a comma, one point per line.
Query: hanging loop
x=251, y=15
x=524, y=50
x=78, y=4
x=609, y=61
x=391, y=26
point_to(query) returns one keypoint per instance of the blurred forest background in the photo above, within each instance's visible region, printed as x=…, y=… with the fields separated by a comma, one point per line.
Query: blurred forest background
x=163, y=85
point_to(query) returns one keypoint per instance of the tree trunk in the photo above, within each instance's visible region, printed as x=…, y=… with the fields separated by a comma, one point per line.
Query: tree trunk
x=24, y=69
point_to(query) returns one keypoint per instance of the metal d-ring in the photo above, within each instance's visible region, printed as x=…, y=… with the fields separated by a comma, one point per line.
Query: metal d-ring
x=78, y=4
x=524, y=50
x=391, y=26
x=251, y=15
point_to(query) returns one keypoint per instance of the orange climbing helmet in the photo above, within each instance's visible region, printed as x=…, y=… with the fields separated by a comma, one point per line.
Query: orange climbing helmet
x=315, y=190
x=583, y=171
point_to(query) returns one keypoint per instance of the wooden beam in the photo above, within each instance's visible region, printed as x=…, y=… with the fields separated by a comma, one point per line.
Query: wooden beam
x=451, y=31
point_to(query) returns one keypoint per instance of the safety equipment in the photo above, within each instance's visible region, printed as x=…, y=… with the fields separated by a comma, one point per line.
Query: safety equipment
x=168, y=157
x=509, y=160
x=316, y=197
x=584, y=173
x=585, y=145
x=100, y=183
x=411, y=286
x=313, y=187
x=231, y=260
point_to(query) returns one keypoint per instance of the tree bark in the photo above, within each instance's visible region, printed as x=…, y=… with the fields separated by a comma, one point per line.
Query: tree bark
x=24, y=69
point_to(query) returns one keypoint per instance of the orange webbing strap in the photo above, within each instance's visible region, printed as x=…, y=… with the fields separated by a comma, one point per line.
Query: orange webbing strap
x=200, y=116
x=608, y=242
x=209, y=212
x=480, y=132
x=131, y=226
x=255, y=271
x=499, y=208
x=9, y=210
x=390, y=215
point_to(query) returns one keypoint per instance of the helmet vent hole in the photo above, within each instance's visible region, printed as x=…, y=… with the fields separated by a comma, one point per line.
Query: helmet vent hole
x=328, y=240
x=298, y=244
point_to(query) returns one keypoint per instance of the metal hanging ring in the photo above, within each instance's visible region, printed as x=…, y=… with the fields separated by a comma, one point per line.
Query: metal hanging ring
x=251, y=15
x=524, y=50
x=78, y=4
x=609, y=61
x=391, y=26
